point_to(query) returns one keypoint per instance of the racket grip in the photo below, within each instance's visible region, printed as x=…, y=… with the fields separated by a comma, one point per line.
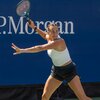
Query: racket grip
x=28, y=19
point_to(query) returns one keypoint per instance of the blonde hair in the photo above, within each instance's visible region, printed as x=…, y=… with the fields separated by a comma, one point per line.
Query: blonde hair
x=52, y=28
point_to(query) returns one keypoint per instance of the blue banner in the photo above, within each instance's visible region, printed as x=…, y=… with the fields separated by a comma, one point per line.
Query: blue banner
x=79, y=25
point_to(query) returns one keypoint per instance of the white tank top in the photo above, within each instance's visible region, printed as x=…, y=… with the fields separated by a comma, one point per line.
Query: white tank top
x=59, y=58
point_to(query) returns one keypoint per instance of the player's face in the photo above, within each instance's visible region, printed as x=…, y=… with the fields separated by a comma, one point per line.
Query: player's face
x=53, y=31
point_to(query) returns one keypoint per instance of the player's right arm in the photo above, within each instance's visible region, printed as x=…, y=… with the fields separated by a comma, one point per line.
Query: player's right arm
x=39, y=31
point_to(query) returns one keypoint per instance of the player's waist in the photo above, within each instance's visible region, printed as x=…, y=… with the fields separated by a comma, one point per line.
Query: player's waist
x=67, y=63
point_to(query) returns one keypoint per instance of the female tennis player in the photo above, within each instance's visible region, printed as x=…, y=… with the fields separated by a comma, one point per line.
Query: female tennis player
x=63, y=67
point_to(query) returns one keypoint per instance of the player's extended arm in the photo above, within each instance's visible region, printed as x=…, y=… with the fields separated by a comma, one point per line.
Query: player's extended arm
x=37, y=48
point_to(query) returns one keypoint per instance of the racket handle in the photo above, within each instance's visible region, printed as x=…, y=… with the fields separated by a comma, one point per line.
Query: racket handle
x=29, y=21
x=27, y=18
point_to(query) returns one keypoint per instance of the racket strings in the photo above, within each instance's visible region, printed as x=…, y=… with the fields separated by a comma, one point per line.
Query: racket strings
x=23, y=8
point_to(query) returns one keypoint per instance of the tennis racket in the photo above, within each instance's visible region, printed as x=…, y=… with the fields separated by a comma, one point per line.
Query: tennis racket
x=23, y=9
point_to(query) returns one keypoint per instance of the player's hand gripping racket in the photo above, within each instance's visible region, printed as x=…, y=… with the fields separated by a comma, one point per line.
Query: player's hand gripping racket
x=23, y=9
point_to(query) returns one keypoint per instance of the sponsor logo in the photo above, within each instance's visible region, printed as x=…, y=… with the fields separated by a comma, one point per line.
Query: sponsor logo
x=8, y=25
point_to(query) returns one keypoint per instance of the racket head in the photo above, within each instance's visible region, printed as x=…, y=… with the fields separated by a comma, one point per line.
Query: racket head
x=23, y=8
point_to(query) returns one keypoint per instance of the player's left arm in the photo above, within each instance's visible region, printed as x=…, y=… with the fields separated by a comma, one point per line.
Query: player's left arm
x=38, y=48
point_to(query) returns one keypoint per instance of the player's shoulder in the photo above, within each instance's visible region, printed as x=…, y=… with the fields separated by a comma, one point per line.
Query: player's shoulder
x=60, y=39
